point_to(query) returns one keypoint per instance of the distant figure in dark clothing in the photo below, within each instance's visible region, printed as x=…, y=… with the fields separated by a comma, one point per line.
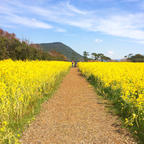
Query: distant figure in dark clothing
x=75, y=65
x=72, y=63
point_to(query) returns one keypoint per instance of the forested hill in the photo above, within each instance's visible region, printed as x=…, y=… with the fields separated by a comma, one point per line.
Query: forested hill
x=63, y=49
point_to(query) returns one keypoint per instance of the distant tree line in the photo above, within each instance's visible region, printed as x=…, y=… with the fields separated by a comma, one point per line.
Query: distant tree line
x=11, y=47
x=95, y=56
x=135, y=58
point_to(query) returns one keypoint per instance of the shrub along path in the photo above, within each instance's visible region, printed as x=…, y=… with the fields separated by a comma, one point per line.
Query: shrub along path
x=75, y=115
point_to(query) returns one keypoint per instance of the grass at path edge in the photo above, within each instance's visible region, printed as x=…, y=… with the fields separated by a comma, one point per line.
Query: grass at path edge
x=114, y=101
x=23, y=124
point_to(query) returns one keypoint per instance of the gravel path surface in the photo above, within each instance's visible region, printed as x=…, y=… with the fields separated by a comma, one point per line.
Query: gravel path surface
x=74, y=115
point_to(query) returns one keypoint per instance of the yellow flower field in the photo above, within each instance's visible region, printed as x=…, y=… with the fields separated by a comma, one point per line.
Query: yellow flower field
x=126, y=76
x=22, y=85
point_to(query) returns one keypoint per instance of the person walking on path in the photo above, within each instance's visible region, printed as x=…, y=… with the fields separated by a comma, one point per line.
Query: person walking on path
x=72, y=63
x=75, y=64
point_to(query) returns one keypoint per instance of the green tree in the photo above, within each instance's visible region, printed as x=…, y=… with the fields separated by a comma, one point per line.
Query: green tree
x=85, y=55
x=136, y=58
x=95, y=55
x=100, y=56
x=11, y=47
x=3, y=49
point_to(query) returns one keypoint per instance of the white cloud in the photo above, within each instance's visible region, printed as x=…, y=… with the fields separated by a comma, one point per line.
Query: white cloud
x=140, y=42
x=98, y=40
x=130, y=0
x=129, y=26
x=11, y=15
x=6, y=26
x=60, y=30
x=110, y=53
x=122, y=24
x=74, y=9
x=30, y=22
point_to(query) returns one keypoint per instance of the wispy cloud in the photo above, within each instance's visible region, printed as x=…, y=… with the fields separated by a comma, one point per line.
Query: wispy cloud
x=74, y=9
x=30, y=22
x=11, y=15
x=129, y=26
x=140, y=42
x=60, y=30
x=122, y=24
x=110, y=53
x=6, y=26
x=130, y=0
x=98, y=40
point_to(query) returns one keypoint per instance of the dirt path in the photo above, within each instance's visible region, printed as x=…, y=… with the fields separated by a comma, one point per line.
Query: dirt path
x=75, y=116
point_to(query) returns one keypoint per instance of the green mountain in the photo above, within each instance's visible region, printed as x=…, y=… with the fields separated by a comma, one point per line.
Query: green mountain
x=63, y=49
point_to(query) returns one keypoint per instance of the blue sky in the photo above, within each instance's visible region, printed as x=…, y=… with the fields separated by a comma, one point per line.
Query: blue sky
x=112, y=27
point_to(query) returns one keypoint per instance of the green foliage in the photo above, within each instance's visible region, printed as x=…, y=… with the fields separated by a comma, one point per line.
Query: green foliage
x=13, y=48
x=100, y=57
x=85, y=55
x=135, y=58
x=95, y=55
x=121, y=108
